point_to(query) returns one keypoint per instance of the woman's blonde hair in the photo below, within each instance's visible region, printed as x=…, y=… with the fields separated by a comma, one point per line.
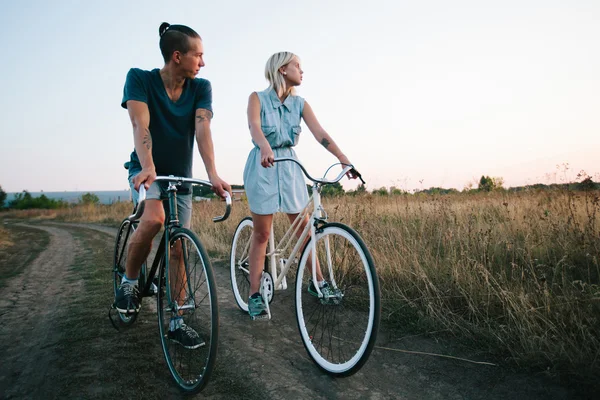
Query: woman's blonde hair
x=273, y=75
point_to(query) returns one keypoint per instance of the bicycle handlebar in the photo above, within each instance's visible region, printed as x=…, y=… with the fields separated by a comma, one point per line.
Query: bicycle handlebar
x=347, y=168
x=178, y=181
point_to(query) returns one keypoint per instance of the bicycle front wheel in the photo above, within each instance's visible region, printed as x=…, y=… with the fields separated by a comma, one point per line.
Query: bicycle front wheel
x=339, y=329
x=187, y=311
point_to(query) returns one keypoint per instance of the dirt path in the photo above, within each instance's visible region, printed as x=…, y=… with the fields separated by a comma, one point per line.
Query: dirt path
x=256, y=360
x=30, y=307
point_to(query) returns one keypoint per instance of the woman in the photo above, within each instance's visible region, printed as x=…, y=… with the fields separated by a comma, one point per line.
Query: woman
x=274, y=119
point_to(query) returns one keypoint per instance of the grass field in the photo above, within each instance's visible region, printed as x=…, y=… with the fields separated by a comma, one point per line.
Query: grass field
x=515, y=273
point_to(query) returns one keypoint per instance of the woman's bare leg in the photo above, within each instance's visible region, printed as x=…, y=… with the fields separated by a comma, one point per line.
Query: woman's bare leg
x=258, y=248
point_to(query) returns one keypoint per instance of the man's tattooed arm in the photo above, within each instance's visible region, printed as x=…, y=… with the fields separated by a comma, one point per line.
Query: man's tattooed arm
x=147, y=139
x=325, y=142
x=203, y=115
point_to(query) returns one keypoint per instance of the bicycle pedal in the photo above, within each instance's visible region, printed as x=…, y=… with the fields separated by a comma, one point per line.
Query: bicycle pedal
x=260, y=317
x=153, y=289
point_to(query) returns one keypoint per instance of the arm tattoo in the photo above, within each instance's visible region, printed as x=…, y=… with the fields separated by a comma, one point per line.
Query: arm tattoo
x=325, y=142
x=203, y=115
x=147, y=139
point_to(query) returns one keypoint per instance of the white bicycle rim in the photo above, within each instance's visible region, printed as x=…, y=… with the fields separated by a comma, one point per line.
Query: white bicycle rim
x=324, y=363
x=242, y=302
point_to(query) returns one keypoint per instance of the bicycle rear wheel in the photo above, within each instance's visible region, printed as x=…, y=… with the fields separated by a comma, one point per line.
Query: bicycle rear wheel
x=240, y=267
x=187, y=289
x=339, y=330
x=124, y=234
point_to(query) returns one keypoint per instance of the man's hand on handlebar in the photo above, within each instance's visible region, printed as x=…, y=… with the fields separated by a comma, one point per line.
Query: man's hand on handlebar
x=146, y=176
x=219, y=186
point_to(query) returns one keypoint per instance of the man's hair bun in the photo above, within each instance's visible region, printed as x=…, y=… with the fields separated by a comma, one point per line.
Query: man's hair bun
x=163, y=28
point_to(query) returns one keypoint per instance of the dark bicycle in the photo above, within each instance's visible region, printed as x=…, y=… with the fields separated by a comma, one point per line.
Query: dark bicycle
x=183, y=281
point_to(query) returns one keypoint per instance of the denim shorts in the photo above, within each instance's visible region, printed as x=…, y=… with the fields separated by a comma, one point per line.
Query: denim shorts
x=158, y=191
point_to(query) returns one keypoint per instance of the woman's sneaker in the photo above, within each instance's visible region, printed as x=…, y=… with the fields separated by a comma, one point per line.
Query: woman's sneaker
x=256, y=307
x=127, y=299
x=186, y=336
x=326, y=289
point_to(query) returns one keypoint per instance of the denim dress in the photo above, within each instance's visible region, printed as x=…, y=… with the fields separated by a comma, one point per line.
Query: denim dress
x=282, y=187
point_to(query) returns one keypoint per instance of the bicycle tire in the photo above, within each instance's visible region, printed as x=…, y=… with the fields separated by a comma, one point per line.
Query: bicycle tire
x=239, y=266
x=339, y=333
x=191, y=368
x=119, y=262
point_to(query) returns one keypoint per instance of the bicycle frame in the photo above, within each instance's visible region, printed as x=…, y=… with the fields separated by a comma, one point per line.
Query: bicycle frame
x=172, y=222
x=318, y=217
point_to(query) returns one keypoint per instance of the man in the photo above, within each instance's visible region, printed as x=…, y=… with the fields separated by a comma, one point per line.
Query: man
x=168, y=107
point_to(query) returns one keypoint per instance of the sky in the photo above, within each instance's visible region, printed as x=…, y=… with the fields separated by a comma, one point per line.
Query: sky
x=416, y=94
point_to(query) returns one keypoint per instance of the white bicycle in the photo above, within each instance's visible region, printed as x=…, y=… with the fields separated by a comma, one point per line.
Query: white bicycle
x=338, y=329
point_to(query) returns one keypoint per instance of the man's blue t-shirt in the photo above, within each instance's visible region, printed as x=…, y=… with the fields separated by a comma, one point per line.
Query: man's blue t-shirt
x=172, y=123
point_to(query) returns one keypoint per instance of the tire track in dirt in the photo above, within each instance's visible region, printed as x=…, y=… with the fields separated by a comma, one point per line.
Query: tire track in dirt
x=30, y=307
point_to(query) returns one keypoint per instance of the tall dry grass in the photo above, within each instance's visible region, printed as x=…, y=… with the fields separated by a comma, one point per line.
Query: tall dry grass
x=516, y=272
x=86, y=213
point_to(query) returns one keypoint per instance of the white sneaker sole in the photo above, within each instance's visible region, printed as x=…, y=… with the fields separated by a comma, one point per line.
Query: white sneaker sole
x=128, y=311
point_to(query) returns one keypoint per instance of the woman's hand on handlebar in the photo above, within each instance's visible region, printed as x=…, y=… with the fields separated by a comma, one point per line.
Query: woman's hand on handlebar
x=266, y=156
x=352, y=174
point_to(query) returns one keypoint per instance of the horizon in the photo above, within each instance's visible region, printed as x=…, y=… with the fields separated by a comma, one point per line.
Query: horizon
x=417, y=95
x=557, y=181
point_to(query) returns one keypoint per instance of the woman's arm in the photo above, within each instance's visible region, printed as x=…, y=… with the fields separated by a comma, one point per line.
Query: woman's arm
x=266, y=153
x=321, y=135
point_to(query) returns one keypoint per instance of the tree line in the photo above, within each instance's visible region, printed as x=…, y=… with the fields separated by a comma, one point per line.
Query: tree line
x=486, y=184
x=25, y=200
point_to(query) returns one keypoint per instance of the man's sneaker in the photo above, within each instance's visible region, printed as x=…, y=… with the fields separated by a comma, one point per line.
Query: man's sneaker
x=127, y=300
x=327, y=290
x=186, y=336
x=256, y=307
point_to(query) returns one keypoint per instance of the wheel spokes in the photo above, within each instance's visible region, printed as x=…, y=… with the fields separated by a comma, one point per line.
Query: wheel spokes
x=338, y=325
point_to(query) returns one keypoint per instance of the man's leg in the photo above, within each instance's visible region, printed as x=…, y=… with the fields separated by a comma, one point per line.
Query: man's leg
x=140, y=242
x=127, y=298
x=178, y=281
x=177, y=273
